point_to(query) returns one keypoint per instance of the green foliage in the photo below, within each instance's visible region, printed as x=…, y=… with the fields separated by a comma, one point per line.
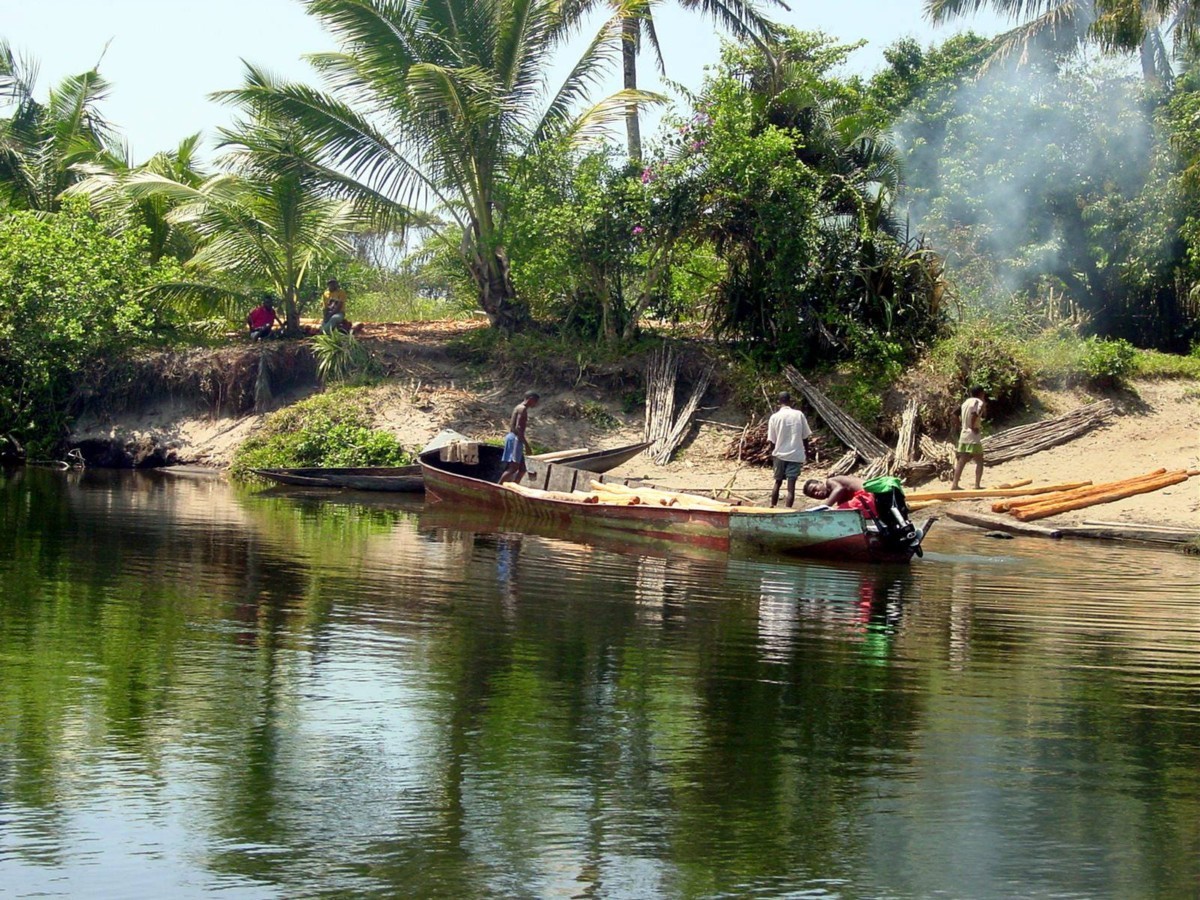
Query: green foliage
x=1155, y=364
x=1107, y=363
x=777, y=173
x=69, y=294
x=341, y=357
x=329, y=429
x=594, y=412
x=990, y=356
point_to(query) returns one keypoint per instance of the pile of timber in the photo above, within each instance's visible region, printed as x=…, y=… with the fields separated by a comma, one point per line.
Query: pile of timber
x=1041, y=507
x=1025, y=440
x=663, y=428
x=750, y=446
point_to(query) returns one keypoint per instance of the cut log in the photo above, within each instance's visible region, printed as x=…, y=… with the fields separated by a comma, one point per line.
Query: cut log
x=1029, y=514
x=1001, y=523
x=1025, y=440
x=1009, y=485
x=849, y=432
x=988, y=493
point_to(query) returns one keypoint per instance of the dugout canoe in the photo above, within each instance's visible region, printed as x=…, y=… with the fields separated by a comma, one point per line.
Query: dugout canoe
x=408, y=479
x=830, y=534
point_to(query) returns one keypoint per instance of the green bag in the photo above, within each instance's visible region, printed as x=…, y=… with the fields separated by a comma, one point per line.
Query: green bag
x=883, y=484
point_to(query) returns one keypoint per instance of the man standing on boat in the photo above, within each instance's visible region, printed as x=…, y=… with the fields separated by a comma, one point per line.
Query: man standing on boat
x=788, y=434
x=515, y=443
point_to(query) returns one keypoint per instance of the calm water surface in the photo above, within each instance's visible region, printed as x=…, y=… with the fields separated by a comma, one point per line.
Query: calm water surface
x=207, y=691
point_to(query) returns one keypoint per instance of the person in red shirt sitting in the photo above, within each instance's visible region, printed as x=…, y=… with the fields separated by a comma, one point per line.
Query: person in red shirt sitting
x=261, y=320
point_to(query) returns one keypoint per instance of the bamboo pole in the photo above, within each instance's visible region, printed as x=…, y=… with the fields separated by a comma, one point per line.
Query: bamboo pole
x=988, y=493
x=849, y=431
x=1030, y=514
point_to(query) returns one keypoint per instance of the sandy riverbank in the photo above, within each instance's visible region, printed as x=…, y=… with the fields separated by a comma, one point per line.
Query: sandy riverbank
x=1158, y=425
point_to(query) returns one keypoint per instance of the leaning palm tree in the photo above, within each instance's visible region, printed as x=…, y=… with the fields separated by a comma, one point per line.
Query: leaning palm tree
x=431, y=102
x=740, y=18
x=267, y=215
x=43, y=145
x=1118, y=26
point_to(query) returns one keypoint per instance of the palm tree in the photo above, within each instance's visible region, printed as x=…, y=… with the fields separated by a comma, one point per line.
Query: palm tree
x=43, y=146
x=430, y=103
x=1118, y=26
x=104, y=186
x=741, y=18
x=267, y=215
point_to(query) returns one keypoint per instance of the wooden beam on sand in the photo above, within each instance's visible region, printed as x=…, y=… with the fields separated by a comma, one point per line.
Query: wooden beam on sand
x=989, y=493
x=1131, y=533
x=1025, y=440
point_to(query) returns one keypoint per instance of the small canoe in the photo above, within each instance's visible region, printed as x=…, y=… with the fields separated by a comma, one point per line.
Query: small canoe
x=408, y=479
x=841, y=534
x=399, y=479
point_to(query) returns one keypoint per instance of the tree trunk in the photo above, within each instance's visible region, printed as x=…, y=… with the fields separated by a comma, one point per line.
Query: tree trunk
x=497, y=296
x=630, y=30
x=291, y=312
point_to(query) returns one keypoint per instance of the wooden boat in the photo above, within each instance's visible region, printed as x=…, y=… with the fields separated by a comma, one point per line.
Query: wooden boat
x=407, y=479
x=399, y=479
x=835, y=534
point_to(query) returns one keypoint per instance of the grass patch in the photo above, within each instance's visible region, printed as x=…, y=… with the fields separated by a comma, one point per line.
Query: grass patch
x=329, y=429
x=1153, y=364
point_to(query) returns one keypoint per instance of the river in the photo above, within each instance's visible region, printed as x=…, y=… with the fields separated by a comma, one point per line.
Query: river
x=204, y=690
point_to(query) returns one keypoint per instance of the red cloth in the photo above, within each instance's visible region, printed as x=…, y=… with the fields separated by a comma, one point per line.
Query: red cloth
x=261, y=316
x=864, y=502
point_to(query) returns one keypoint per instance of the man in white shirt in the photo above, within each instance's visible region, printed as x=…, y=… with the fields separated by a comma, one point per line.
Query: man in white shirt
x=788, y=433
x=970, y=439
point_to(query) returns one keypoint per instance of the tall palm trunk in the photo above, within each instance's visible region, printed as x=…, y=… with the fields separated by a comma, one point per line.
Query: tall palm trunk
x=291, y=311
x=630, y=31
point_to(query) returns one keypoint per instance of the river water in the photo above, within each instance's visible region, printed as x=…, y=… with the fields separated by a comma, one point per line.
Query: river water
x=207, y=691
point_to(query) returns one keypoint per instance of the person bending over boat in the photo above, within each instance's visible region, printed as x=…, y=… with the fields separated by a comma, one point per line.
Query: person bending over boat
x=515, y=443
x=834, y=490
x=788, y=434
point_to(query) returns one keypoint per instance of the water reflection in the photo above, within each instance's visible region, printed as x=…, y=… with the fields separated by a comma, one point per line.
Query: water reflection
x=283, y=695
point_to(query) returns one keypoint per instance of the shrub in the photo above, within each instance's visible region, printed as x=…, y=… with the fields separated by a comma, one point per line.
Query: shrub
x=988, y=355
x=341, y=357
x=1107, y=363
x=330, y=429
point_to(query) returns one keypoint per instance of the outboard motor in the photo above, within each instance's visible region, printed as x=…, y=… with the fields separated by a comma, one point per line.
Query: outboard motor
x=895, y=527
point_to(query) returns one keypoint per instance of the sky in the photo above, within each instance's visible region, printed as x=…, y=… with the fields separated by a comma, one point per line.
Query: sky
x=164, y=57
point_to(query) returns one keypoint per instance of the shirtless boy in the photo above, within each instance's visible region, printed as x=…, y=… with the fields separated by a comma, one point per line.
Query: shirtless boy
x=515, y=443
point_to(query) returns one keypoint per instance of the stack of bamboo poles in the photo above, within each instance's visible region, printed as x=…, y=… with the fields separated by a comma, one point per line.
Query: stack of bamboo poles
x=663, y=428
x=1025, y=440
x=660, y=397
x=850, y=432
x=1040, y=507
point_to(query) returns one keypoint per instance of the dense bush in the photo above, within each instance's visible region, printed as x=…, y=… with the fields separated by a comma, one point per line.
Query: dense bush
x=330, y=429
x=69, y=294
x=990, y=356
x=1107, y=363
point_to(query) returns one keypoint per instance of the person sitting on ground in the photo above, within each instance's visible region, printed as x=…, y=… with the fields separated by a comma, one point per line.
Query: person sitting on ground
x=334, y=314
x=970, y=439
x=788, y=434
x=834, y=490
x=262, y=319
x=515, y=443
